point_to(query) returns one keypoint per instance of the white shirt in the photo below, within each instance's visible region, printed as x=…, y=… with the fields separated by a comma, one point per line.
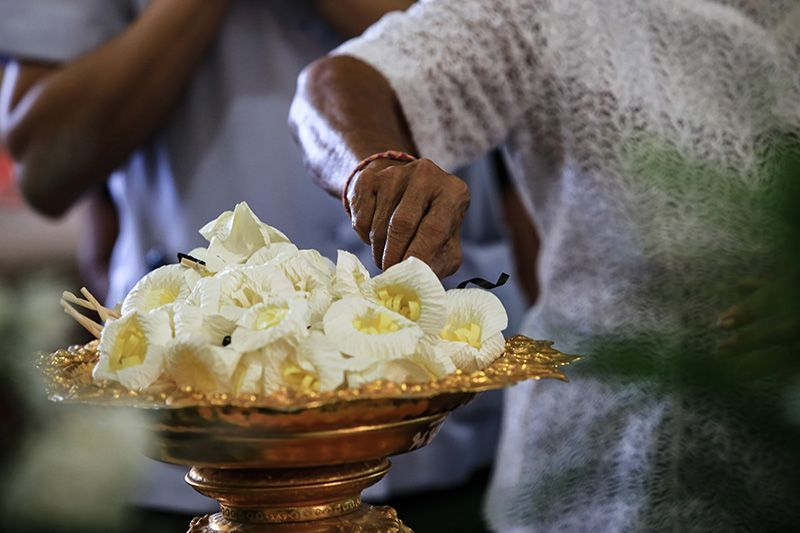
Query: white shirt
x=636, y=132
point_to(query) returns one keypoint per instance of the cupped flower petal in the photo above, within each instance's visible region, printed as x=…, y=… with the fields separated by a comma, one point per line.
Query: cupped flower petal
x=273, y=253
x=396, y=370
x=467, y=357
x=194, y=363
x=473, y=315
x=278, y=318
x=162, y=286
x=316, y=365
x=132, y=348
x=242, y=287
x=212, y=327
x=352, y=278
x=248, y=376
x=412, y=289
x=235, y=235
x=360, y=328
x=311, y=274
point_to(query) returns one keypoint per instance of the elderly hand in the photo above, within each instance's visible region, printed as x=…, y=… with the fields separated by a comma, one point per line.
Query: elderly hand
x=409, y=209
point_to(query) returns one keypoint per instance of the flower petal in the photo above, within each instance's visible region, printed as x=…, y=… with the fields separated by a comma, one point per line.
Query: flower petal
x=412, y=289
x=194, y=363
x=351, y=278
x=361, y=328
x=160, y=287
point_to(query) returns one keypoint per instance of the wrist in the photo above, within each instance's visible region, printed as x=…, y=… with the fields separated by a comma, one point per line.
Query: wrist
x=387, y=158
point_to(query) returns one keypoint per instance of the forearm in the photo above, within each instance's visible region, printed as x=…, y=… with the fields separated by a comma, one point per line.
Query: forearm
x=344, y=111
x=90, y=115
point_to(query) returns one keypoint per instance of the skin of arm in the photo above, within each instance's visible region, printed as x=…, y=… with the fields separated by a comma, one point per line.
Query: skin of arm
x=344, y=111
x=70, y=126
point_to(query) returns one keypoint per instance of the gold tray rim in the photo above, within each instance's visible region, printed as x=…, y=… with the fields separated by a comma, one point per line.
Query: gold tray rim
x=68, y=380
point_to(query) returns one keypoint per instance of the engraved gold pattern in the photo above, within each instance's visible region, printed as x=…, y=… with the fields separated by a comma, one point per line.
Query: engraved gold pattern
x=69, y=373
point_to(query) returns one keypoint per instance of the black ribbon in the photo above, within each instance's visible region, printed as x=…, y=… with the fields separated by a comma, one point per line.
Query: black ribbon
x=190, y=258
x=485, y=284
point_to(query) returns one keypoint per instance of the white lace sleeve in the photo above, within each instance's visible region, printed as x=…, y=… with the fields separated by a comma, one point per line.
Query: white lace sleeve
x=455, y=66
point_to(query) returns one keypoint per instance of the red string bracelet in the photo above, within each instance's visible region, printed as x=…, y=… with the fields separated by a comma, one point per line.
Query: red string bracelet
x=395, y=155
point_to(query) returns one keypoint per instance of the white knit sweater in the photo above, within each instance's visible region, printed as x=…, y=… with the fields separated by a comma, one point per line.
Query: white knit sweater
x=636, y=131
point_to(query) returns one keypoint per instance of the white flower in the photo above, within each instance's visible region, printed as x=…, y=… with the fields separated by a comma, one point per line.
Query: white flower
x=424, y=365
x=273, y=253
x=235, y=235
x=315, y=365
x=311, y=274
x=472, y=336
x=132, y=348
x=242, y=287
x=202, y=321
x=248, y=376
x=362, y=329
x=413, y=290
x=192, y=362
x=351, y=278
x=160, y=287
x=277, y=318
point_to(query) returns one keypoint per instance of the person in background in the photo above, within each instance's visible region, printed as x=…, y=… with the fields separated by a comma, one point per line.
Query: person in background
x=175, y=110
x=641, y=136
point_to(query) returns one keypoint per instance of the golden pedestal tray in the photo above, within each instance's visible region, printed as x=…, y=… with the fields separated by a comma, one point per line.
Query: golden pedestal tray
x=289, y=462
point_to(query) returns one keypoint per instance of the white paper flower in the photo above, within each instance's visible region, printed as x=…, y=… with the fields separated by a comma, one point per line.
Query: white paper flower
x=132, y=348
x=235, y=235
x=242, y=287
x=360, y=328
x=277, y=318
x=202, y=322
x=472, y=336
x=424, y=365
x=351, y=278
x=162, y=286
x=194, y=363
x=312, y=275
x=248, y=376
x=315, y=365
x=273, y=253
x=413, y=290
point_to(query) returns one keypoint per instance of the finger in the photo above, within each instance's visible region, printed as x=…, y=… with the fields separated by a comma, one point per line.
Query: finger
x=448, y=260
x=405, y=221
x=434, y=231
x=362, y=200
x=388, y=196
x=764, y=333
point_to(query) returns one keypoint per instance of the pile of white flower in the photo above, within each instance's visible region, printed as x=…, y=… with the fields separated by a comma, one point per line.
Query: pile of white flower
x=261, y=314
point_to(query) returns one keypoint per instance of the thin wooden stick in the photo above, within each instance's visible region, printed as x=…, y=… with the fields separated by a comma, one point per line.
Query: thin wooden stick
x=102, y=311
x=185, y=261
x=90, y=325
x=71, y=298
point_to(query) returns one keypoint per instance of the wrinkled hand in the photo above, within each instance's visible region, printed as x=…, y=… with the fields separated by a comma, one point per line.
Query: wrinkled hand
x=409, y=209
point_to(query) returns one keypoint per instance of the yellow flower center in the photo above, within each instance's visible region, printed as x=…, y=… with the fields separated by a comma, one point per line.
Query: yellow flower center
x=270, y=317
x=400, y=300
x=158, y=297
x=375, y=322
x=469, y=333
x=246, y=297
x=299, y=379
x=130, y=347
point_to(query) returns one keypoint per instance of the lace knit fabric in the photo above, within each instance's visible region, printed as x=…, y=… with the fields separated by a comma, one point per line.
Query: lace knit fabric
x=637, y=132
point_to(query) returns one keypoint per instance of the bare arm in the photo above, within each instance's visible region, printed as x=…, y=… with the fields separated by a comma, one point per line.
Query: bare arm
x=345, y=110
x=85, y=118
